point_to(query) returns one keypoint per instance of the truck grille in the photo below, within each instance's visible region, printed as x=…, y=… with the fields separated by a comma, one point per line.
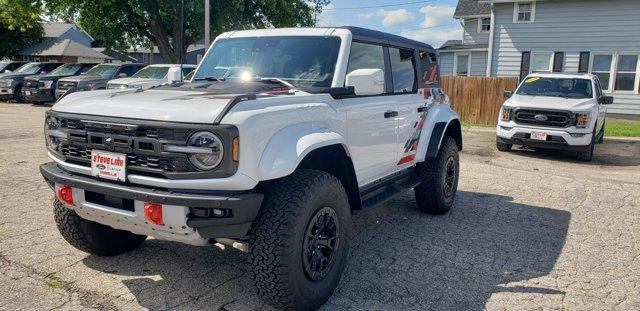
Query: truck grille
x=65, y=85
x=143, y=146
x=551, y=118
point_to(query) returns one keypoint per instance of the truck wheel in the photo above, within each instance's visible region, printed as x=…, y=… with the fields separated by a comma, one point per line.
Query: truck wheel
x=586, y=155
x=92, y=237
x=503, y=146
x=439, y=180
x=601, y=135
x=300, y=239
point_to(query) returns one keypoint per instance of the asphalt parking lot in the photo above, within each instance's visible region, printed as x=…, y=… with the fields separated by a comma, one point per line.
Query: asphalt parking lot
x=529, y=230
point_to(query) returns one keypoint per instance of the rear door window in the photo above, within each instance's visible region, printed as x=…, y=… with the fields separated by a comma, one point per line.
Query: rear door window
x=403, y=70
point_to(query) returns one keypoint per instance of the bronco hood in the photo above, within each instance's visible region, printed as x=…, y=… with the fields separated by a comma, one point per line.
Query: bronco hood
x=191, y=103
x=548, y=102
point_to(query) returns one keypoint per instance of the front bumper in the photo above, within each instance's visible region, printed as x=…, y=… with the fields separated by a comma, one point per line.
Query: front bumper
x=179, y=222
x=7, y=93
x=556, y=139
x=39, y=95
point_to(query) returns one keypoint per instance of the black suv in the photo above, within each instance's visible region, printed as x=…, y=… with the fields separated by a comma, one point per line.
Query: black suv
x=11, y=83
x=41, y=88
x=96, y=78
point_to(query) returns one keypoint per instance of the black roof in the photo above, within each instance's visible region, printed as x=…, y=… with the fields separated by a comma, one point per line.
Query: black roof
x=370, y=35
x=471, y=8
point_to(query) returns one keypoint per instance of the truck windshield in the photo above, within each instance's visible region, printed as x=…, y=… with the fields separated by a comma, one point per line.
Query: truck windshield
x=151, y=73
x=556, y=87
x=66, y=70
x=29, y=68
x=104, y=71
x=302, y=61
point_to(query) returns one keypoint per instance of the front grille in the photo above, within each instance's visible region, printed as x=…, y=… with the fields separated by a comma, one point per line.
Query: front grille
x=141, y=144
x=30, y=84
x=551, y=118
x=65, y=85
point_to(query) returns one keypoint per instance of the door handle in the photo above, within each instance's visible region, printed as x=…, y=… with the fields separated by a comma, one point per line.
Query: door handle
x=423, y=109
x=390, y=114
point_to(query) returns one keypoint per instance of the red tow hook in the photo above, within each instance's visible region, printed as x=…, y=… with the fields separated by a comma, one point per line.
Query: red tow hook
x=65, y=194
x=153, y=213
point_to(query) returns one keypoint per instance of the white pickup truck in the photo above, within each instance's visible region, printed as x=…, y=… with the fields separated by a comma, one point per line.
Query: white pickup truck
x=152, y=75
x=554, y=111
x=280, y=135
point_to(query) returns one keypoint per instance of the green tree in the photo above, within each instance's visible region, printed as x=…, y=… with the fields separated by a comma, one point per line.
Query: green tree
x=19, y=27
x=120, y=24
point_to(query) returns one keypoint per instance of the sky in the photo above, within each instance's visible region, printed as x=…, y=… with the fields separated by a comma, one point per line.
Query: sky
x=429, y=21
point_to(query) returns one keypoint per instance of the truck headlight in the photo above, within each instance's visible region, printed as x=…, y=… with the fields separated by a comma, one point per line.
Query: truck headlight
x=212, y=150
x=505, y=114
x=582, y=120
x=52, y=132
x=47, y=84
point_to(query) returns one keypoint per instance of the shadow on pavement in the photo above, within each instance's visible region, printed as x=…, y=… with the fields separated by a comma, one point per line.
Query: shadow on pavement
x=609, y=153
x=400, y=259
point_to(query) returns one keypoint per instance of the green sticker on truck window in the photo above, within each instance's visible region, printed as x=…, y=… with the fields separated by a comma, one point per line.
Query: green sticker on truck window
x=531, y=80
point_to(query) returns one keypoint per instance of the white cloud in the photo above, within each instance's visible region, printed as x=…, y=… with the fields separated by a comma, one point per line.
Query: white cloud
x=395, y=17
x=436, y=15
x=369, y=15
x=441, y=26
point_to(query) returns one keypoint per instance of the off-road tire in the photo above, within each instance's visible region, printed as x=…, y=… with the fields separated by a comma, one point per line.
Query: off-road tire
x=430, y=194
x=503, y=147
x=601, y=134
x=92, y=237
x=278, y=234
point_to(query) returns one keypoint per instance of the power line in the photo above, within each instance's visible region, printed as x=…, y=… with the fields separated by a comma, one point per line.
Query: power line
x=378, y=6
x=423, y=28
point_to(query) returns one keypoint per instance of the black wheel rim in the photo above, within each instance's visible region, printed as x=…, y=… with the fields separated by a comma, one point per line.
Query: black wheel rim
x=449, y=177
x=320, y=243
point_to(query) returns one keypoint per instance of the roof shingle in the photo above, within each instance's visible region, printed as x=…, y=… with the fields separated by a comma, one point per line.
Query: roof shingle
x=58, y=47
x=471, y=8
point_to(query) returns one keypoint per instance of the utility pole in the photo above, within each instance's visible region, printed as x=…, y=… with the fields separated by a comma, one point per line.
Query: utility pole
x=207, y=30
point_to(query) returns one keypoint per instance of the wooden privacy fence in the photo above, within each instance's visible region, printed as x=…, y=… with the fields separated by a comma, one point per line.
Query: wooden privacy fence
x=477, y=99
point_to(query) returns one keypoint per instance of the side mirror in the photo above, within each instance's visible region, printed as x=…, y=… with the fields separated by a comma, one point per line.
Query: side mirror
x=606, y=100
x=366, y=81
x=122, y=75
x=508, y=94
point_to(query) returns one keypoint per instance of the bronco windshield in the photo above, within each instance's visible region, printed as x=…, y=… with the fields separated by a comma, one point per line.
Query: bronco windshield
x=556, y=87
x=151, y=73
x=300, y=60
x=104, y=71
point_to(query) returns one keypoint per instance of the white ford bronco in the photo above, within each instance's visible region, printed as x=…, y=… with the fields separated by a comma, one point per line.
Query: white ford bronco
x=278, y=138
x=554, y=111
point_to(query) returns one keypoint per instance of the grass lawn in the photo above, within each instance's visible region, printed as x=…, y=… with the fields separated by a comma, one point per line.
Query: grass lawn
x=622, y=128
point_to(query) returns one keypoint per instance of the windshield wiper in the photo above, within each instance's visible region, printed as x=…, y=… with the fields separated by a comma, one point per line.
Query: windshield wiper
x=219, y=79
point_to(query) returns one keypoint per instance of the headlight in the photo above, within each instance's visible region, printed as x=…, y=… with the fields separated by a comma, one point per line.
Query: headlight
x=5, y=83
x=212, y=150
x=505, y=114
x=47, y=84
x=52, y=132
x=582, y=120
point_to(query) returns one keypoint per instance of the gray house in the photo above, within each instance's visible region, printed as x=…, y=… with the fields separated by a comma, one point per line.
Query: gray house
x=524, y=36
x=62, y=31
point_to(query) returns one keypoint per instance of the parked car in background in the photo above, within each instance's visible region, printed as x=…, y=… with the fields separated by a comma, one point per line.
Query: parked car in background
x=41, y=88
x=153, y=75
x=554, y=111
x=10, y=66
x=96, y=78
x=11, y=83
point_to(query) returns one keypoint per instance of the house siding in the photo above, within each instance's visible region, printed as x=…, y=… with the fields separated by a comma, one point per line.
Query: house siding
x=471, y=35
x=478, y=63
x=569, y=26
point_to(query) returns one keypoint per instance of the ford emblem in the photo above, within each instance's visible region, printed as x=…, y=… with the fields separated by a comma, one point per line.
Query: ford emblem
x=540, y=117
x=101, y=166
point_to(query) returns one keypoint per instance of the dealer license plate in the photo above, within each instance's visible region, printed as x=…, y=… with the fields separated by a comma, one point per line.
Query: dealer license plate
x=28, y=93
x=538, y=136
x=108, y=165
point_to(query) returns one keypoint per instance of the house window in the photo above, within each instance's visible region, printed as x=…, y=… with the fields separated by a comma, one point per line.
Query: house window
x=484, y=24
x=541, y=61
x=601, y=67
x=462, y=65
x=524, y=12
x=626, y=73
